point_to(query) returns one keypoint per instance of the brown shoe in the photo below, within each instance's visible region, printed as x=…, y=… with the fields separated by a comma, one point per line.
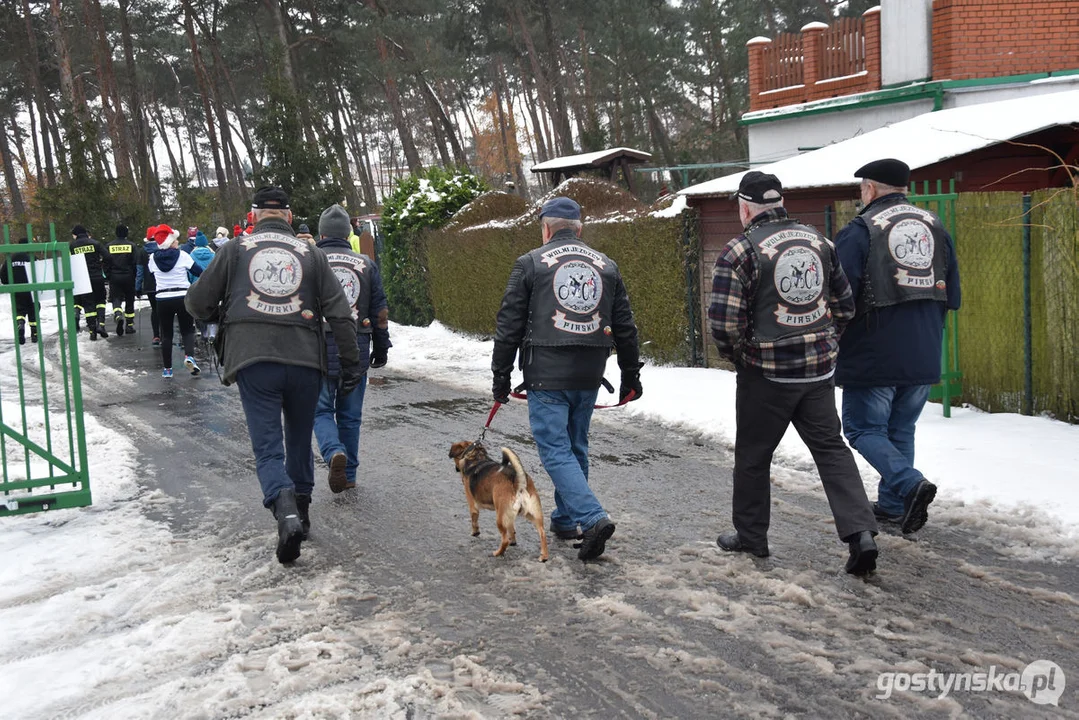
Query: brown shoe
x=337, y=478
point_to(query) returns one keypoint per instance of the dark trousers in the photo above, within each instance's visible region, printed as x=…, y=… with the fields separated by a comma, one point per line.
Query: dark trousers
x=170, y=309
x=26, y=313
x=763, y=411
x=93, y=303
x=283, y=455
x=155, y=321
x=122, y=292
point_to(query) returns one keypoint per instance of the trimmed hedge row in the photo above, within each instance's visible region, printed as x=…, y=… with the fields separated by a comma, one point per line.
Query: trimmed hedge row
x=468, y=270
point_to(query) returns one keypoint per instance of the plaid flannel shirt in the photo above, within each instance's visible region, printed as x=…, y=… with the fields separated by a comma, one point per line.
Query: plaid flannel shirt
x=734, y=286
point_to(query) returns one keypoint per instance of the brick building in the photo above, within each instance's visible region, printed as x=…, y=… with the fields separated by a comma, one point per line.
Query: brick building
x=899, y=60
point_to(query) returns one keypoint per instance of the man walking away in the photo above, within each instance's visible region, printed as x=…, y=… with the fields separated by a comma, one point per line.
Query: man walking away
x=25, y=307
x=123, y=267
x=338, y=416
x=780, y=301
x=564, y=308
x=270, y=293
x=97, y=264
x=902, y=269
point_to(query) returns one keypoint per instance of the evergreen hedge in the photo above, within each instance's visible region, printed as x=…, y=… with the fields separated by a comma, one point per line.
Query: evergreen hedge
x=468, y=270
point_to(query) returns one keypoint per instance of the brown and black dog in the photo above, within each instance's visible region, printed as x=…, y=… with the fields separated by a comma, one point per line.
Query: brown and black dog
x=503, y=487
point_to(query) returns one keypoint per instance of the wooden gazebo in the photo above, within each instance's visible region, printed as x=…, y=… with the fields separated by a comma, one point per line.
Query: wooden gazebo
x=608, y=162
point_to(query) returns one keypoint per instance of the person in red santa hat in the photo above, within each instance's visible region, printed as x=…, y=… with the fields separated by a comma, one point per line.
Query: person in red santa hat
x=170, y=268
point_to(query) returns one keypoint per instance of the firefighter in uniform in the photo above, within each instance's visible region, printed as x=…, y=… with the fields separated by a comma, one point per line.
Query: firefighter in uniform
x=564, y=309
x=97, y=265
x=902, y=269
x=123, y=268
x=338, y=416
x=780, y=301
x=270, y=292
x=25, y=307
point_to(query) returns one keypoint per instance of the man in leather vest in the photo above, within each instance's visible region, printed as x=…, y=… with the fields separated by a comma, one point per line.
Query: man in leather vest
x=270, y=293
x=338, y=416
x=564, y=308
x=902, y=269
x=97, y=265
x=123, y=266
x=780, y=301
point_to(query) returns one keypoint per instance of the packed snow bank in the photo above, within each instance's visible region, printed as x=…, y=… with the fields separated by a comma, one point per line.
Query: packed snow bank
x=995, y=462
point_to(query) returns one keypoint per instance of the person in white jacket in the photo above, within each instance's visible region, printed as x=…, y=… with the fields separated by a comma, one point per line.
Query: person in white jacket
x=221, y=237
x=170, y=267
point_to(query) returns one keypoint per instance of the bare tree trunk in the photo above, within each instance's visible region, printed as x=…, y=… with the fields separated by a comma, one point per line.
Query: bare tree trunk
x=39, y=92
x=142, y=144
x=277, y=12
x=115, y=122
x=37, y=149
x=561, y=118
x=518, y=169
x=393, y=97
x=177, y=171
x=537, y=129
x=73, y=99
x=52, y=116
x=204, y=92
x=10, y=178
x=439, y=116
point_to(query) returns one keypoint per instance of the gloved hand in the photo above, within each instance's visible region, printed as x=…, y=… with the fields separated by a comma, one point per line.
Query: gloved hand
x=350, y=379
x=501, y=388
x=631, y=380
x=378, y=358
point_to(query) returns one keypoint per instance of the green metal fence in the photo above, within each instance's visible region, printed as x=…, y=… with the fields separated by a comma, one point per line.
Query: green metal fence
x=943, y=204
x=42, y=438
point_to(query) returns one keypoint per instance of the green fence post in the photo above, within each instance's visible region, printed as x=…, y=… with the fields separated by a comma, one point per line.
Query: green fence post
x=1028, y=333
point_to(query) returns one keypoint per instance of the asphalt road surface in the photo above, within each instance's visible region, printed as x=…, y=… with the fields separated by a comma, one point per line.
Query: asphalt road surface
x=664, y=625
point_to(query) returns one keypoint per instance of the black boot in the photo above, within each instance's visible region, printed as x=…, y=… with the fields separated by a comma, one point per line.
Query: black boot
x=303, y=504
x=101, y=324
x=863, y=553
x=22, y=331
x=91, y=325
x=289, y=527
x=33, y=332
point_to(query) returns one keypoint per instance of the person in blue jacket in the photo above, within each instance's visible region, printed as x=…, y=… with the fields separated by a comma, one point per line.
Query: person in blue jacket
x=202, y=253
x=902, y=269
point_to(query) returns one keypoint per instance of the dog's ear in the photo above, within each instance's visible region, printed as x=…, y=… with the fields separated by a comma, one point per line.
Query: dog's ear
x=458, y=449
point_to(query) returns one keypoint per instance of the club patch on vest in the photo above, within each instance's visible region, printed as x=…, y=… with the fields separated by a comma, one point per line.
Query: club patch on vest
x=350, y=283
x=550, y=258
x=275, y=272
x=770, y=246
x=910, y=243
x=884, y=218
x=578, y=287
x=561, y=322
x=798, y=276
x=784, y=316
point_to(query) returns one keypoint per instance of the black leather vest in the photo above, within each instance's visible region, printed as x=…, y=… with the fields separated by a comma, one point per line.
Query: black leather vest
x=906, y=259
x=795, y=272
x=353, y=271
x=274, y=281
x=572, y=296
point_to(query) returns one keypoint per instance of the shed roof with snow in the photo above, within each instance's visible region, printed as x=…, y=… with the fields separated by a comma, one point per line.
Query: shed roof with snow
x=609, y=161
x=920, y=141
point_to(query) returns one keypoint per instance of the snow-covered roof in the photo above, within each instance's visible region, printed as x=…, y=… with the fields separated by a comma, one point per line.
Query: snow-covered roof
x=919, y=142
x=594, y=159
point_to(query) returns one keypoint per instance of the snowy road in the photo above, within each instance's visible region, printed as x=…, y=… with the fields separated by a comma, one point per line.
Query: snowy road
x=394, y=610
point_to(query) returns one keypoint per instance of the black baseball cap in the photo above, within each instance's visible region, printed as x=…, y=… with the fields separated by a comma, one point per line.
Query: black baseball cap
x=760, y=188
x=270, y=198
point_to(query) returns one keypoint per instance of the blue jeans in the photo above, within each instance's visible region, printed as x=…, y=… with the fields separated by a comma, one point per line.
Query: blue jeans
x=337, y=424
x=879, y=423
x=560, y=420
x=283, y=456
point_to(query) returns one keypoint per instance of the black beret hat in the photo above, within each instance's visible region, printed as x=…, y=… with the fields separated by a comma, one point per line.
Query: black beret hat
x=268, y=197
x=561, y=207
x=760, y=188
x=888, y=171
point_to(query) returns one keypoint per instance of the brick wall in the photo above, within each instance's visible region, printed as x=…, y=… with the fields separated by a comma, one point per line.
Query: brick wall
x=995, y=38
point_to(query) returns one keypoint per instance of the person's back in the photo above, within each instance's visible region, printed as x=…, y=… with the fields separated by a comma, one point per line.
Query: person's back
x=270, y=292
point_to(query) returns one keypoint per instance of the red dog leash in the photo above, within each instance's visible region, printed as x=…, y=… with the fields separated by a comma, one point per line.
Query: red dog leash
x=521, y=396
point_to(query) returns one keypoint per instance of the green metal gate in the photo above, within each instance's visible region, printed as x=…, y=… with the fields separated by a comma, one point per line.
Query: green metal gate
x=42, y=438
x=943, y=204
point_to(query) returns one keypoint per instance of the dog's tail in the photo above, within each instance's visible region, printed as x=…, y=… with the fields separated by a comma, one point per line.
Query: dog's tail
x=511, y=466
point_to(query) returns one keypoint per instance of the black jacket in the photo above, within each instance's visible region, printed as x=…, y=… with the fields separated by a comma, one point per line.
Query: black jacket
x=97, y=259
x=123, y=259
x=558, y=368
